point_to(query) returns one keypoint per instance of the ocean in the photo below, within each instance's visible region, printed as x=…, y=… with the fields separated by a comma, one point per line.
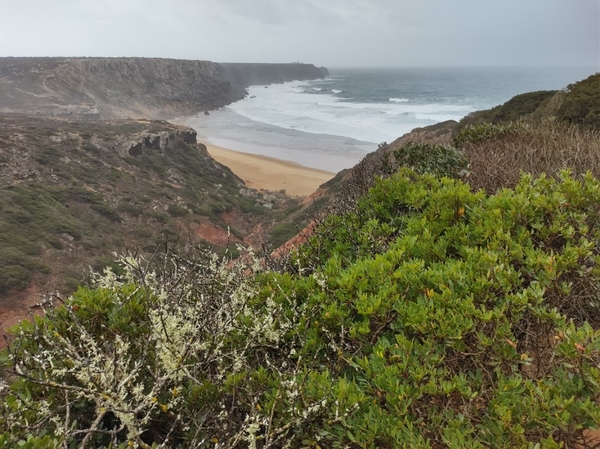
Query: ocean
x=331, y=124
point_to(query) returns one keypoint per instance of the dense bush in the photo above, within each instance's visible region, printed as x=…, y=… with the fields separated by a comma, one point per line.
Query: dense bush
x=177, y=211
x=473, y=134
x=439, y=160
x=281, y=233
x=498, y=154
x=188, y=355
x=14, y=277
x=428, y=316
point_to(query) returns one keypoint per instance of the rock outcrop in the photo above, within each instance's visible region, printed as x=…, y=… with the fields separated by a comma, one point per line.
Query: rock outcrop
x=152, y=88
x=138, y=144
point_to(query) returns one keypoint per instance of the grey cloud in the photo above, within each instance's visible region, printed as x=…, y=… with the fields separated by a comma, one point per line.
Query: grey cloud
x=332, y=32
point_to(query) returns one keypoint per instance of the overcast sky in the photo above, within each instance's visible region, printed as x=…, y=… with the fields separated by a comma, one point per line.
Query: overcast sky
x=334, y=33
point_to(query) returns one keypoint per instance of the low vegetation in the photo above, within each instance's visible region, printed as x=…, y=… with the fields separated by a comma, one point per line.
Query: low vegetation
x=580, y=103
x=515, y=109
x=428, y=316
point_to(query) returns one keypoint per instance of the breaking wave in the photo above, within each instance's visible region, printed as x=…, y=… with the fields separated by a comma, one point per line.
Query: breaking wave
x=295, y=106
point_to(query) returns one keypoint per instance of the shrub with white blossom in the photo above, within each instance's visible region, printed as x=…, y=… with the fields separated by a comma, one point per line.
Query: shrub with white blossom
x=182, y=355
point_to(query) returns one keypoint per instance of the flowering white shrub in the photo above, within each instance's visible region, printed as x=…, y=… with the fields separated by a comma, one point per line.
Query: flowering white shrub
x=155, y=356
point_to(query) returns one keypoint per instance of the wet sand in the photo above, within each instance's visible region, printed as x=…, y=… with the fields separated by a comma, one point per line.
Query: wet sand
x=264, y=172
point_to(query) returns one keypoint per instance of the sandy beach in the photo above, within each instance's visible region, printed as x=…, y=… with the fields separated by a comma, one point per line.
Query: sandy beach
x=263, y=172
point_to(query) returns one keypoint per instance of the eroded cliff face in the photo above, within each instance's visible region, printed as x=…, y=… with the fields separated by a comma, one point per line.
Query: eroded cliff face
x=132, y=87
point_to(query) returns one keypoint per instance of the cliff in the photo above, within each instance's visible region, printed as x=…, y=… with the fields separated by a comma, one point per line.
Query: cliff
x=152, y=88
x=244, y=75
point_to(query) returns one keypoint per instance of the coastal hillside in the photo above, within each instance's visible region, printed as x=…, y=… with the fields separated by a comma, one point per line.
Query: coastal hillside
x=578, y=103
x=150, y=88
x=72, y=193
x=76, y=187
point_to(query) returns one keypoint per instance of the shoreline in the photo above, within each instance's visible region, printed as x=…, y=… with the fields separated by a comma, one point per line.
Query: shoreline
x=268, y=173
x=227, y=129
x=267, y=166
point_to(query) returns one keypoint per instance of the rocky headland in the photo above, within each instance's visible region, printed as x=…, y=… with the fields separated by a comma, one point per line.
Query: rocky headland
x=153, y=88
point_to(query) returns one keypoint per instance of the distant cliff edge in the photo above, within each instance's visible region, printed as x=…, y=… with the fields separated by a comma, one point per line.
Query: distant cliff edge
x=132, y=87
x=244, y=75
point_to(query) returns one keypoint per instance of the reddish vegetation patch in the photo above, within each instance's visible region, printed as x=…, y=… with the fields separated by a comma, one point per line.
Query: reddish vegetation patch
x=213, y=234
x=256, y=238
x=17, y=306
x=228, y=217
x=294, y=242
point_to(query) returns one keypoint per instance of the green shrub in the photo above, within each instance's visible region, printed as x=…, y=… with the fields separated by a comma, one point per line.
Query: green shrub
x=464, y=318
x=282, y=233
x=48, y=156
x=472, y=134
x=158, y=216
x=30, y=442
x=428, y=316
x=130, y=208
x=54, y=242
x=106, y=211
x=439, y=160
x=103, y=263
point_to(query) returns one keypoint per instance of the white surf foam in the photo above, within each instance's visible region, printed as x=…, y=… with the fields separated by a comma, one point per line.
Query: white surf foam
x=289, y=106
x=399, y=100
